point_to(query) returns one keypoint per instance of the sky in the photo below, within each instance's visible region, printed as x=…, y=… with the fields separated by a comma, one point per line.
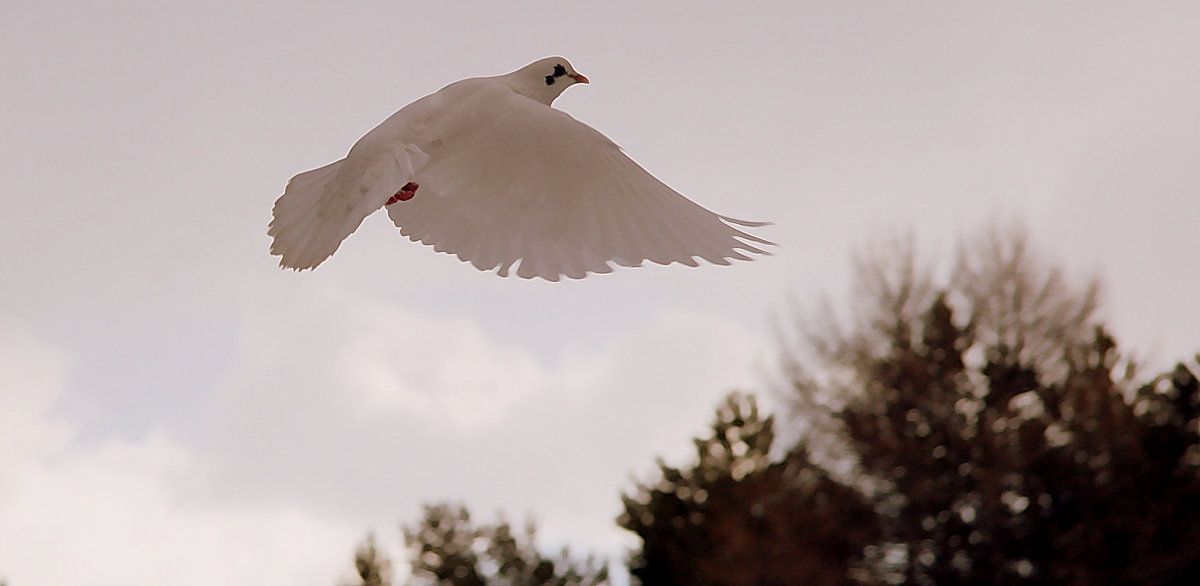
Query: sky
x=174, y=408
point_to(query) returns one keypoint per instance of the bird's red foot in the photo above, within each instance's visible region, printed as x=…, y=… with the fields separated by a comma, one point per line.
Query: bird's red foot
x=406, y=193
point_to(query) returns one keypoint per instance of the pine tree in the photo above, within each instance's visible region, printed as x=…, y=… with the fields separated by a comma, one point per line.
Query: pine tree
x=371, y=567
x=738, y=516
x=447, y=549
x=1010, y=447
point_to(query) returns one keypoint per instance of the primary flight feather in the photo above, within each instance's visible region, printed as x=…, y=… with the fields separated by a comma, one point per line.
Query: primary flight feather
x=486, y=170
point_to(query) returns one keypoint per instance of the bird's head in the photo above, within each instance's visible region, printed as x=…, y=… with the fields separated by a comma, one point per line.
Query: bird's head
x=545, y=79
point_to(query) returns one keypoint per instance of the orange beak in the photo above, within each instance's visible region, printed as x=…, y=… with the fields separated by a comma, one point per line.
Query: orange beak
x=579, y=77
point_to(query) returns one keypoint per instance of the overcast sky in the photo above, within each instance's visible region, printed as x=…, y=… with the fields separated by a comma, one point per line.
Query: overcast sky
x=175, y=409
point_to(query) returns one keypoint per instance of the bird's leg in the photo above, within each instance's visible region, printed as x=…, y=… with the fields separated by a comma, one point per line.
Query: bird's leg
x=406, y=193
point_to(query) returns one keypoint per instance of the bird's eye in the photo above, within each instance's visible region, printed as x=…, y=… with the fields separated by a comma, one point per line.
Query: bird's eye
x=549, y=80
x=559, y=70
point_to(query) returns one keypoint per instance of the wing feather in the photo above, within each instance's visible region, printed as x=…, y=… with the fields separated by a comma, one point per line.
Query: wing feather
x=529, y=186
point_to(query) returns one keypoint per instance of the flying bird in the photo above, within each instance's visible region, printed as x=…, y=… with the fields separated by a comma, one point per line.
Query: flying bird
x=487, y=170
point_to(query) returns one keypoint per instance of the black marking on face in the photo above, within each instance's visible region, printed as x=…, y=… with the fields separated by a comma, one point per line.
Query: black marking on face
x=559, y=71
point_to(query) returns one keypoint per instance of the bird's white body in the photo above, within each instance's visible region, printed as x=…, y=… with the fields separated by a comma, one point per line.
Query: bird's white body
x=502, y=177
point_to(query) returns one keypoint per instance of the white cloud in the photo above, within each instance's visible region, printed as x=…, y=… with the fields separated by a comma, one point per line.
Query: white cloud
x=31, y=381
x=349, y=406
x=436, y=369
x=119, y=513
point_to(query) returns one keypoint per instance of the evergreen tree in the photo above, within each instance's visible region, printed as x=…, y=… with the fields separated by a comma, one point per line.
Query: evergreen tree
x=1011, y=447
x=447, y=549
x=738, y=516
x=371, y=567
x=980, y=429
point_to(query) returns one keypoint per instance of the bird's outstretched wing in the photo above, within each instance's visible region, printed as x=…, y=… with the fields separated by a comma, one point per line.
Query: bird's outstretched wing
x=535, y=186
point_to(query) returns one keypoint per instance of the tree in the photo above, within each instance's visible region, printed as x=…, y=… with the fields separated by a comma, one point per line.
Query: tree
x=447, y=549
x=981, y=428
x=738, y=516
x=1011, y=447
x=371, y=567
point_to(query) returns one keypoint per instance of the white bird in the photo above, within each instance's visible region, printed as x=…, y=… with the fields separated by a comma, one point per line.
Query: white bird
x=486, y=170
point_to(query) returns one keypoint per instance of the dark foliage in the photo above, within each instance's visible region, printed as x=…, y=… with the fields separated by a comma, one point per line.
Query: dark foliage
x=984, y=429
x=1010, y=447
x=738, y=517
x=448, y=550
x=371, y=567
x=1003, y=476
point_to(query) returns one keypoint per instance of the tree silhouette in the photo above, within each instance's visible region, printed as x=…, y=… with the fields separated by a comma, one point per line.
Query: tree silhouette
x=1010, y=447
x=739, y=517
x=447, y=549
x=371, y=567
x=978, y=428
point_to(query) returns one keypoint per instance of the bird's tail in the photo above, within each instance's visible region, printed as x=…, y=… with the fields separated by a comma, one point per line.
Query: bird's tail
x=311, y=219
x=320, y=208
